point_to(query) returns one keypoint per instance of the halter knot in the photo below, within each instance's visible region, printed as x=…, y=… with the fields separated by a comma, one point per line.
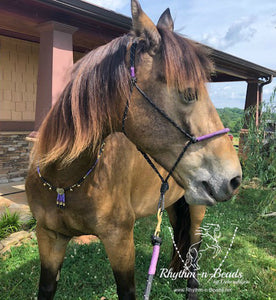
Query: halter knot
x=194, y=139
x=164, y=187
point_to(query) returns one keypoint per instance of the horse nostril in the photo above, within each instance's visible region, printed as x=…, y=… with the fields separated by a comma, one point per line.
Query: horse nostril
x=208, y=188
x=235, y=182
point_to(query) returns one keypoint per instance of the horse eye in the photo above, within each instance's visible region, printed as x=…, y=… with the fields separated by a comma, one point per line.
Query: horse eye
x=161, y=78
x=189, y=95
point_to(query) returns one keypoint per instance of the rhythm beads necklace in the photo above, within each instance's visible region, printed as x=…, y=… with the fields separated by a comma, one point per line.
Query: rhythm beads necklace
x=62, y=190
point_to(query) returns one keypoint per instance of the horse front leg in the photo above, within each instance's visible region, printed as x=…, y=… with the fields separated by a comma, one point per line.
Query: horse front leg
x=52, y=247
x=197, y=213
x=179, y=215
x=186, y=221
x=119, y=246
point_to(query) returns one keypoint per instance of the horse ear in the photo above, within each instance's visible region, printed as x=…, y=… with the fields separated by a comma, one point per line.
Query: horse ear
x=166, y=21
x=144, y=28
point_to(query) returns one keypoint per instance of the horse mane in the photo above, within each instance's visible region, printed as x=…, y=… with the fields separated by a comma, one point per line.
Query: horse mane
x=88, y=106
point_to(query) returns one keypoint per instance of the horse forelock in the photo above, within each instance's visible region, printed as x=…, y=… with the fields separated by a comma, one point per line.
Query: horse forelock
x=186, y=63
x=87, y=107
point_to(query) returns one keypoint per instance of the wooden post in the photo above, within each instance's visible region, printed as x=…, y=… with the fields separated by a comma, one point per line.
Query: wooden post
x=252, y=101
x=55, y=59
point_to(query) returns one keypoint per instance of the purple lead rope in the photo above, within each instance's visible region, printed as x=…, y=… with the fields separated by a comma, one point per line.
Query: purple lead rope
x=152, y=269
x=156, y=240
x=154, y=259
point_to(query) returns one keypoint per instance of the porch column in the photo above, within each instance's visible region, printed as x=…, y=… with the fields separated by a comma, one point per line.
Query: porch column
x=252, y=100
x=55, y=60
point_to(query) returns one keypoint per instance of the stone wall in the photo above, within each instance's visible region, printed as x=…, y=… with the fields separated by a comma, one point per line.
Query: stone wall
x=14, y=156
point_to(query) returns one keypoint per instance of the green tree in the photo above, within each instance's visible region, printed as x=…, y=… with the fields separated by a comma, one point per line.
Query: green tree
x=232, y=118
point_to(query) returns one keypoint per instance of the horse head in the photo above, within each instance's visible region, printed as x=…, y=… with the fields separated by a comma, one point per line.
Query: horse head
x=172, y=71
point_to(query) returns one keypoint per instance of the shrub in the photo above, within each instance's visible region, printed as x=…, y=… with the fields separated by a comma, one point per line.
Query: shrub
x=31, y=224
x=260, y=148
x=9, y=223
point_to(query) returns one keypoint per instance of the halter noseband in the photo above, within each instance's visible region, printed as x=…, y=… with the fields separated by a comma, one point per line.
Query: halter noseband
x=156, y=240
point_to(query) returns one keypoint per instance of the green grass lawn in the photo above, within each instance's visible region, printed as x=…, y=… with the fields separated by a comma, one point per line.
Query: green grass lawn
x=86, y=273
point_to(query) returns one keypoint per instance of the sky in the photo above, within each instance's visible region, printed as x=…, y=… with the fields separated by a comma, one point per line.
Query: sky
x=244, y=28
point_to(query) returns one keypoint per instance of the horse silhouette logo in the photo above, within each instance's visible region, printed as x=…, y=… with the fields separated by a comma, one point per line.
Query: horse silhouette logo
x=210, y=234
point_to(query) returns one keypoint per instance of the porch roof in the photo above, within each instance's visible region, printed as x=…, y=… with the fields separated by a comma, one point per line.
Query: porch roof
x=96, y=26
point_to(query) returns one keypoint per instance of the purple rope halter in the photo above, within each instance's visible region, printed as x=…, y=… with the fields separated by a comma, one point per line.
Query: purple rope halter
x=156, y=240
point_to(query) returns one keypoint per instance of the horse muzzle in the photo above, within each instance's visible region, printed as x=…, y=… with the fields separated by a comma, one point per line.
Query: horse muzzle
x=210, y=192
x=224, y=191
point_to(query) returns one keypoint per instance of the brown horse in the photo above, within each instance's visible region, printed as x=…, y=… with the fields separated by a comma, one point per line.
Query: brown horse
x=171, y=70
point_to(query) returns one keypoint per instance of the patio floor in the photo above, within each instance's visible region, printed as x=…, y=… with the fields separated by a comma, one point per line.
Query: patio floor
x=16, y=202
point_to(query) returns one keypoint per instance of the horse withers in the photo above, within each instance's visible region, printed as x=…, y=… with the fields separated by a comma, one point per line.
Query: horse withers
x=172, y=71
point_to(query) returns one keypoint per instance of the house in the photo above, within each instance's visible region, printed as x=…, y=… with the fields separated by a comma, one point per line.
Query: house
x=40, y=40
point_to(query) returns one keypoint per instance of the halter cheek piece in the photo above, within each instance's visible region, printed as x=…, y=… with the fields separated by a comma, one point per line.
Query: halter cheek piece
x=156, y=240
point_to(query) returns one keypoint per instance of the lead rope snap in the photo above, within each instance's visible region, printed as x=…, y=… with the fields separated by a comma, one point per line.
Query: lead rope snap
x=156, y=240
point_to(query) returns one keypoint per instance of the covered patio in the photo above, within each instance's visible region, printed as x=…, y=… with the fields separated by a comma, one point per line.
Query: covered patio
x=40, y=41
